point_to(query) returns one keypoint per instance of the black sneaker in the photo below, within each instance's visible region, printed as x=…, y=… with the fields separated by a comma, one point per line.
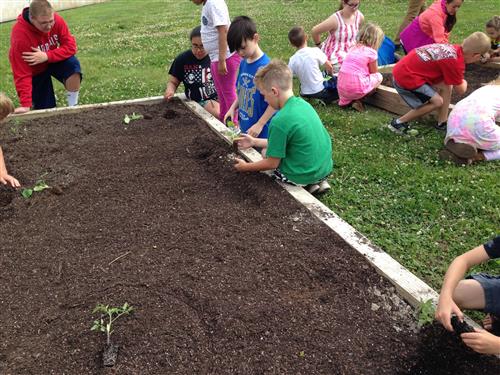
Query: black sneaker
x=441, y=127
x=401, y=128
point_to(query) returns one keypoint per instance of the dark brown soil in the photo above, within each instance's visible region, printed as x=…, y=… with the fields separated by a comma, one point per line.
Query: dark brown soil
x=227, y=274
x=476, y=76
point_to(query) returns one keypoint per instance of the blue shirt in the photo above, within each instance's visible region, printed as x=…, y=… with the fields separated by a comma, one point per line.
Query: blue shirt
x=251, y=104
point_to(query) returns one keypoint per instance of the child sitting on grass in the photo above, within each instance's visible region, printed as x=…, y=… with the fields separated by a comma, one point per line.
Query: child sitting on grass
x=253, y=112
x=472, y=133
x=358, y=75
x=478, y=292
x=493, y=31
x=426, y=76
x=6, y=108
x=299, y=148
x=192, y=68
x=306, y=63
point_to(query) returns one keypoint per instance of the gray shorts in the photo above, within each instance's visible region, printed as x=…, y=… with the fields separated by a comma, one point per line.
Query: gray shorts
x=491, y=287
x=417, y=97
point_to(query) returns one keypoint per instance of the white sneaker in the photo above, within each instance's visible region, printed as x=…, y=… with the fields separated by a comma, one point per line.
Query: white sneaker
x=324, y=186
x=313, y=188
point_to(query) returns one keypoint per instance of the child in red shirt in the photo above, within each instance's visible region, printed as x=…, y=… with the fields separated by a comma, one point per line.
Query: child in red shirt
x=426, y=76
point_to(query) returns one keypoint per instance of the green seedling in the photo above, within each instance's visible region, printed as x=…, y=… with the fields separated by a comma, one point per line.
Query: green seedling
x=108, y=317
x=426, y=313
x=39, y=186
x=133, y=117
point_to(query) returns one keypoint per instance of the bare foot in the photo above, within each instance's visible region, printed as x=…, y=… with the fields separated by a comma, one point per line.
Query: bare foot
x=358, y=106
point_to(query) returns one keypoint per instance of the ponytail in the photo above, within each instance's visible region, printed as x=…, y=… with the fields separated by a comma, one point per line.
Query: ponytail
x=451, y=20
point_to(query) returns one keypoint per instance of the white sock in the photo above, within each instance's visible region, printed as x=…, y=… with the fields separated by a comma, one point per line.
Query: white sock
x=72, y=97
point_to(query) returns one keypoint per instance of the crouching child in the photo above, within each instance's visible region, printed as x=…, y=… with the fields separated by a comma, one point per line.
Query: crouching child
x=6, y=108
x=298, y=148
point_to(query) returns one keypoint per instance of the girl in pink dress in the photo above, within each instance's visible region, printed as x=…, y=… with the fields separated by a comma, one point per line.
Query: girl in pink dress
x=358, y=74
x=342, y=26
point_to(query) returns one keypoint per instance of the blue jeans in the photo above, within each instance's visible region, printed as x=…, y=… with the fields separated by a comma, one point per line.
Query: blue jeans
x=42, y=90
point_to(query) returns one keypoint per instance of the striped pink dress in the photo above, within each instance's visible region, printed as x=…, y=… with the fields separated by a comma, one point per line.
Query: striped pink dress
x=342, y=39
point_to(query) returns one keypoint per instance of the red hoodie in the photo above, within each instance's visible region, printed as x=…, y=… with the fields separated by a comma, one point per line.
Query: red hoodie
x=58, y=44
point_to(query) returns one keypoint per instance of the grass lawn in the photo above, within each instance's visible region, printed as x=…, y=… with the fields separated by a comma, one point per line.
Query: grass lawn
x=420, y=210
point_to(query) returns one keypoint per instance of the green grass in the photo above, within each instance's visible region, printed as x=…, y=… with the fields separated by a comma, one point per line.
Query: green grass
x=394, y=190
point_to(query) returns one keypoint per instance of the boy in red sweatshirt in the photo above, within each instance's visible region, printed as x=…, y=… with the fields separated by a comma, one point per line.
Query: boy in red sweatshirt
x=41, y=46
x=426, y=77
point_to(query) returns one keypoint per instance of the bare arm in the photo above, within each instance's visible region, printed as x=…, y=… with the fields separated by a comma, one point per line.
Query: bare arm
x=222, y=30
x=5, y=178
x=462, y=88
x=231, y=110
x=330, y=24
x=261, y=165
x=373, y=67
x=456, y=270
x=172, y=85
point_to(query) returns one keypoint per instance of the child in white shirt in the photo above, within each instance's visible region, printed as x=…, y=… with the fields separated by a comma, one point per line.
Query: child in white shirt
x=306, y=63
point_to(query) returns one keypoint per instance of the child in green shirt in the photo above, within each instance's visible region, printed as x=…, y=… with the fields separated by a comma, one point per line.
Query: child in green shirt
x=299, y=147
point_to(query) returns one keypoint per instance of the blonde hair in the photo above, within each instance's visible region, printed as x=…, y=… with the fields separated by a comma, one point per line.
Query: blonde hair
x=494, y=23
x=370, y=35
x=6, y=106
x=477, y=42
x=40, y=8
x=276, y=73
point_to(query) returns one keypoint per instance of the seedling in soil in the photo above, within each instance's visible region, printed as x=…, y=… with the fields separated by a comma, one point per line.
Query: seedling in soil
x=105, y=324
x=133, y=117
x=39, y=186
x=425, y=313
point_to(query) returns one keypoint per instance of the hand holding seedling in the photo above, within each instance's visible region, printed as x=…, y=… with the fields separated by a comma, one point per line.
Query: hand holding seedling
x=245, y=141
x=446, y=307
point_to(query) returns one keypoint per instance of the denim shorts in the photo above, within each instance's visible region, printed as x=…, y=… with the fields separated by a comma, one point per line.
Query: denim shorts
x=43, y=91
x=491, y=287
x=417, y=97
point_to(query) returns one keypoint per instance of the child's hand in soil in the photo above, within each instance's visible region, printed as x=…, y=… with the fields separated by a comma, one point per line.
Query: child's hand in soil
x=8, y=179
x=482, y=341
x=445, y=308
x=240, y=164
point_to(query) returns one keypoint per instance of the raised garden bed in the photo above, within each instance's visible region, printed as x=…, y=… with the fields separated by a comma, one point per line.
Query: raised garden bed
x=386, y=97
x=227, y=273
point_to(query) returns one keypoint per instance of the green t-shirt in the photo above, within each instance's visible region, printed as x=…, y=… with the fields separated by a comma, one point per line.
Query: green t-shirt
x=297, y=136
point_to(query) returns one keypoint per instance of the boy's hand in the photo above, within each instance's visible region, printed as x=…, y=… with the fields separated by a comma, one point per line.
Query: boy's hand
x=22, y=109
x=221, y=67
x=35, y=57
x=8, y=179
x=245, y=141
x=443, y=313
x=169, y=94
x=482, y=341
x=255, y=129
x=240, y=164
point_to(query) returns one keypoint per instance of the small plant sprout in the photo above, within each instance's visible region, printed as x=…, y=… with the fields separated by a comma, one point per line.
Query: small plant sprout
x=39, y=186
x=426, y=313
x=108, y=317
x=133, y=117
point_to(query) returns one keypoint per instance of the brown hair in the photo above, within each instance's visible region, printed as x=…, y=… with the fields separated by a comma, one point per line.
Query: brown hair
x=494, y=23
x=40, y=8
x=6, y=106
x=276, y=74
x=297, y=36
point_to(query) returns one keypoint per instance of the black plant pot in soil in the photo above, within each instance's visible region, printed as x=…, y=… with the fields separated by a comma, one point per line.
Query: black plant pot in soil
x=109, y=355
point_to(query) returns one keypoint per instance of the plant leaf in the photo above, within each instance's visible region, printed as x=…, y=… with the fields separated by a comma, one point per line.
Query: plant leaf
x=27, y=193
x=40, y=186
x=126, y=119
